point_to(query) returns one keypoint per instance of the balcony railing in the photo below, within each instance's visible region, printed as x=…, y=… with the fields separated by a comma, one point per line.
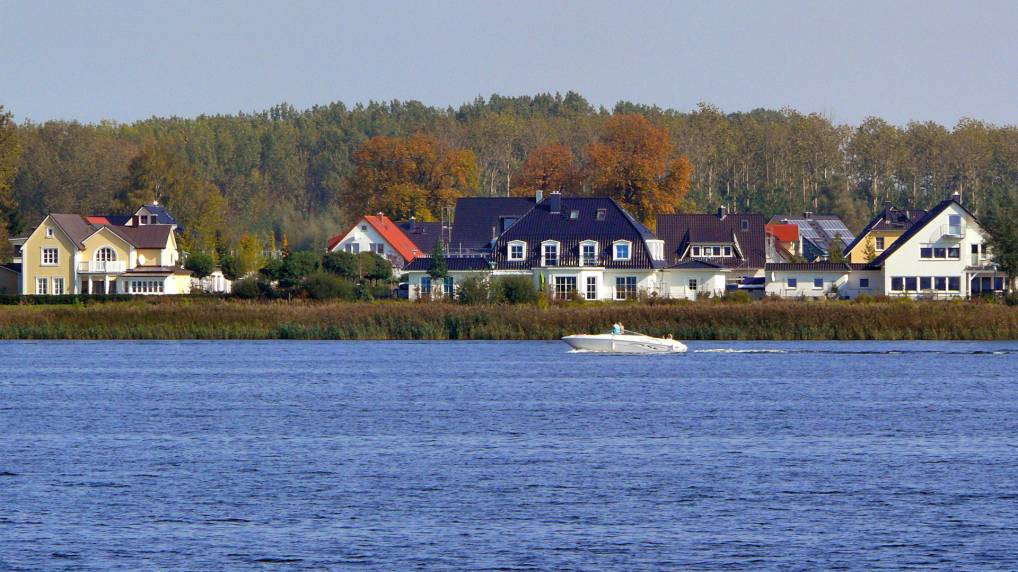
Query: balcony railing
x=953, y=230
x=97, y=266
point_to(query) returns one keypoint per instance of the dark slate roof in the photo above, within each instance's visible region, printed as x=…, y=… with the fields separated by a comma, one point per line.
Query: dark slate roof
x=695, y=264
x=818, y=231
x=12, y=266
x=144, y=236
x=809, y=266
x=162, y=215
x=541, y=224
x=680, y=230
x=888, y=219
x=914, y=229
x=424, y=235
x=424, y=263
x=476, y=221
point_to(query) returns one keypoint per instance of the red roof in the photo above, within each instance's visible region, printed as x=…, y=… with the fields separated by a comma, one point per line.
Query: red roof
x=784, y=232
x=389, y=231
x=95, y=219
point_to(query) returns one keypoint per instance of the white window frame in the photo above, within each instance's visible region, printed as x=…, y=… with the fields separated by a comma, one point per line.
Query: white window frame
x=625, y=293
x=693, y=284
x=583, y=259
x=879, y=243
x=694, y=251
x=378, y=248
x=56, y=256
x=509, y=250
x=791, y=282
x=559, y=283
x=590, y=287
x=615, y=250
x=544, y=253
x=864, y=283
x=821, y=286
x=41, y=285
x=49, y=232
x=97, y=258
x=58, y=280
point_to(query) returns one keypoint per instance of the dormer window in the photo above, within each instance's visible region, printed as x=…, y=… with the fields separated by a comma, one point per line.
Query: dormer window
x=622, y=250
x=517, y=250
x=745, y=225
x=602, y=214
x=574, y=214
x=588, y=253
x=728, y=251
x=696, y=251
x=549, y=253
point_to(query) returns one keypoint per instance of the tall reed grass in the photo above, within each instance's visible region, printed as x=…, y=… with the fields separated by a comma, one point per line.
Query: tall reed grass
x=769, y=320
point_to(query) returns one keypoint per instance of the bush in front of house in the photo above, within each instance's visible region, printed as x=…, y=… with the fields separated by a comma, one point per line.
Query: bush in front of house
x=200, y=264
x=248, y=288
x=516, y=289
x=326, y=286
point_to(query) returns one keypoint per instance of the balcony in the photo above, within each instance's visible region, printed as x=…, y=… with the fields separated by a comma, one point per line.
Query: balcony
x=953, y=230
x=100, y=267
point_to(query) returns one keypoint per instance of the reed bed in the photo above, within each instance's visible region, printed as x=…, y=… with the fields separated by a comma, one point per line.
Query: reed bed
x=768, y=320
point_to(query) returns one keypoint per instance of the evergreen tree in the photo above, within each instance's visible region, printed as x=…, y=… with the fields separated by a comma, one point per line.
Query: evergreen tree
x=439, y=265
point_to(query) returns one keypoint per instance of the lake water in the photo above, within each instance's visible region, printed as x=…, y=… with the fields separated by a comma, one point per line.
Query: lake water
x=507, y=455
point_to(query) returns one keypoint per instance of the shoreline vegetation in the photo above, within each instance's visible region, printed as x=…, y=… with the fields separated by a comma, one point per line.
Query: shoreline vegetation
x=213, y=318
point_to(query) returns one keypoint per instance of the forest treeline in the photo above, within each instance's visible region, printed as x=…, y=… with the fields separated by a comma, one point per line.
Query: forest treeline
x=304, y=174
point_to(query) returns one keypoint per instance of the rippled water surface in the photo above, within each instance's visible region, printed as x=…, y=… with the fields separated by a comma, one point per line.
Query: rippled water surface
x=482, y=455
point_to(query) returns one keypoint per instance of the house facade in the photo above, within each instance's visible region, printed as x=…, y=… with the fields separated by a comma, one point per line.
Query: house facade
x=380, y=235
x=68, y=254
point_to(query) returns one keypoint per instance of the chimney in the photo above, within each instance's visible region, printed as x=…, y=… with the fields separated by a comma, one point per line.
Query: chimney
x=807, y=215
x=413, y=224
x=956, y=197
x=539, y=196
x=555, y=202
x=722, y=213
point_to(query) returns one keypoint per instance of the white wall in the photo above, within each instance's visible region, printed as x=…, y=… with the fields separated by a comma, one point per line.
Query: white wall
x=708, y=283
x=777, y=283
x=365, y=237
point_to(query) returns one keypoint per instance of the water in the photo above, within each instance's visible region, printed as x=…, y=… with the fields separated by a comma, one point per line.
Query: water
x=478, y=455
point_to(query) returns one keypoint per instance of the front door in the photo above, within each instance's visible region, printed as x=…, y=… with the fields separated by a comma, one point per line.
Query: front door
x=98, y=286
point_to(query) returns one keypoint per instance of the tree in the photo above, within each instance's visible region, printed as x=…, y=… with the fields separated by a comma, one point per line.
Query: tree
x=10, y=152
x=298, y=265
x=407, y=177
x=373, y=267
x=630, y=162
x=341, y=264
x=548, y=168
x=326, y=286
x=439, y=265
x=869, y=251
x=200, y=264
x=249, y=254
x=837, y=248
x=230, y=266
x=1002, y=225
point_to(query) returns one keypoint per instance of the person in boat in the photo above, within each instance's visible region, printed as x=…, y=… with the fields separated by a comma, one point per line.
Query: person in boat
x=669, y=337
x=617, y=328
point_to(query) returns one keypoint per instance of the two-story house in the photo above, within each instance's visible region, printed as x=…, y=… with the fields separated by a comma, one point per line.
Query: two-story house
x=882, y=231
x=380, y=235
x=71, y=254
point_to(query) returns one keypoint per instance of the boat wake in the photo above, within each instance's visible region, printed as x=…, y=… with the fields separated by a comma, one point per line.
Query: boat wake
x=889, y=352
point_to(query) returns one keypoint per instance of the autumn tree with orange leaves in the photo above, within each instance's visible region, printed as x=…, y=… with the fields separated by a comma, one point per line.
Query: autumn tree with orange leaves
x=405, y=177
x=632, y=162
x=548, y=168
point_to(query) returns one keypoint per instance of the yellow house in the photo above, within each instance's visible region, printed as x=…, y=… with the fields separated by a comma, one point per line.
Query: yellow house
x=71, y=254
x=881, y=233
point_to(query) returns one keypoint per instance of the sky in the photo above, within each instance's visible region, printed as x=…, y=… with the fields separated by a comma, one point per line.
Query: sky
x=124, y=61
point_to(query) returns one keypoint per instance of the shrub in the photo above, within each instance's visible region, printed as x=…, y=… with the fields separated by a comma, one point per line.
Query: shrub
x=737, y=297
x=200, y=264
x=273, y=269
x=518, y=290
x=232, y=267
x=325, y=286
x=341, y=264
x=475, y=290
x=247, y=288
x=298, y=265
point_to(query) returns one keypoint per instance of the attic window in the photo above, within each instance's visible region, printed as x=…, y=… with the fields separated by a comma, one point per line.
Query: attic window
x=49, y=232
x=364, y=228
x=574, y=214
x=602, y=213
x=745, y=225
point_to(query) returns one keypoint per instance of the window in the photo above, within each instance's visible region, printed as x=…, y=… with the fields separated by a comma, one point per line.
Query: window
x=40, y=286
x=897, y=284
x=49, y=232
x=692, y=284
x=998, y=283
x=364, y=228
x=728, y=251
x=792, y=282
x=940, y=283
x=564, y=287
x=696, y=251
x=880, y=243
x=505, y=222
x=549, y=251
x=954, y=253
x=625, y=287
x=954, y=225
x=864, y=282
x=986, y=284
x=910, y=284
x=953, y=283
x=939, y=253
x=926, y=252
x=975, y=249
x=592, y=287
x=745, y=225
x=622, y=250
x=517, y=250
x=925, y=283
x=818, y=283
x=58, y=286
x=425, y=284
x=49, y=257
x=588, y=254
x=355, y=247
x=574, y=214
x=602, y=214
x=105, y=254
x=448, y=285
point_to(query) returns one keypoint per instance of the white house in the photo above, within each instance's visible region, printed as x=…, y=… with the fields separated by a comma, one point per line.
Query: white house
x=378, y=234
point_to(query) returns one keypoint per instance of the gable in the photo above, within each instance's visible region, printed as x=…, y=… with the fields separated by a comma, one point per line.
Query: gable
x=930, y=230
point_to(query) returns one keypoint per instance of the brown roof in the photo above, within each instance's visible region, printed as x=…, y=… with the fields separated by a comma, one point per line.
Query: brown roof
x=680, y=230
x=144, y=236
x=74, y=227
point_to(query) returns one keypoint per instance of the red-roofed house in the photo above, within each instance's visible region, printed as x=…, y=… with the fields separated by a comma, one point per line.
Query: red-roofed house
x=783, y=242
x=378, y=234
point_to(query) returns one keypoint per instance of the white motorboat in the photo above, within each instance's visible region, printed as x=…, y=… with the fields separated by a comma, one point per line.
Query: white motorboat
x=626, y=342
